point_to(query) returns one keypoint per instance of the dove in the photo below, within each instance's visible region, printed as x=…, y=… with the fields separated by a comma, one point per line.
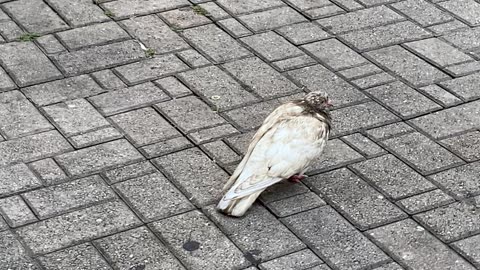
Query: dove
x=290, y=138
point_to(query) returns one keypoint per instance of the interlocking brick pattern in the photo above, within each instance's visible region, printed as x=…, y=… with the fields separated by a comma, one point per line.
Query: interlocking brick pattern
x=120, y=121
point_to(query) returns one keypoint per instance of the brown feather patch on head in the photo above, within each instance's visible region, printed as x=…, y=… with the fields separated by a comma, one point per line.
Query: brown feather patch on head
x=318, y=100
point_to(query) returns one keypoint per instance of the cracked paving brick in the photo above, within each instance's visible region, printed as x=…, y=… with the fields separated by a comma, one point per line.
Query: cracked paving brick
x=76, y=227
x=271, y=46
x=306, y=4
x=33, y=147
x=253, y=233
x=214, y=11
x=197, y=176
x=359, y=202
x=466, y=39
x=193, y=58
x=50, y=44
x=448, y=27
x=153, y=197
x=415, y=247
x=95, y=137
x=99, y=157
x=295, y=204
x=75, y=117
x=271, y=19
x=247, y=6
x=392, y=176
x=422, y=12
x=325, y=11
x=59, y=199
x=6, y=83
x=92, y=35
x=217, y=88
x=303, y=258
x=335, y=240
x=466, y=145
x=155, y=34
x=364, y=145
x=335, y=155
x=35, y=16
x=18, y=117
x=141, y=95
x=184, y=18
x=79, y=12
x=128, y=172
x=318, y=78
x=128, y=8
x=217, y=44
x=211, y=134
x=144, y=126
x=261, y=78
x=108, y=80
x=463, y=69
x=407, y=65
x=165, y=147
x=388, y=131
x=425, y=201
x=49, y=171
x=99, y=57
x=245, y=118
x=460, y=181
x=173, y=87
x=294, y=63
x=62, y=90
x=234, y=27
x=282, y=190
x=373, y=80
x=301, y=33
x=467, y=10
x=83, y=256
x=334, y=54
x=221, y=153
x=27, y=64
x=198, y=243
x=137, y=249
x=13, y=255
x=469, y=248
x=439, y=52
x=465, y=87
x=422, y=153
x=360, y=71
x=440, y=95
x=190, y=113
x=16, y=212
x=404, y=100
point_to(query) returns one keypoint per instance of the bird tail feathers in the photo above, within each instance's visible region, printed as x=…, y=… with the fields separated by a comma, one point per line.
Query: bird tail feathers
x=238, y=207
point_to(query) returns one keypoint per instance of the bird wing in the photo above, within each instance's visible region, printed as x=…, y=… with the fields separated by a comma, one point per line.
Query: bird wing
x=287, y=148
x=283, y=112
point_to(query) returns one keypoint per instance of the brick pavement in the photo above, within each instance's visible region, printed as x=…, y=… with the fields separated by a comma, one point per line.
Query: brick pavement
x=120, y=121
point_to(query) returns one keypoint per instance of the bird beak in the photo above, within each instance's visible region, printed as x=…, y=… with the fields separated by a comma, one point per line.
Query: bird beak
x=329, y=103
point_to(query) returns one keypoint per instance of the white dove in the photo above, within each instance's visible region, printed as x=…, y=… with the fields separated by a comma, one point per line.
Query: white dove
x=290, y=138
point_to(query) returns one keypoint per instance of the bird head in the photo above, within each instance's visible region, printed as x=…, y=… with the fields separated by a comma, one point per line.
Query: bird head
x=318, y=100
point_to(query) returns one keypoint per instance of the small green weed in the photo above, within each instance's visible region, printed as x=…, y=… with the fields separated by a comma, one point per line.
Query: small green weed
x=29, y=37
x=200, y=10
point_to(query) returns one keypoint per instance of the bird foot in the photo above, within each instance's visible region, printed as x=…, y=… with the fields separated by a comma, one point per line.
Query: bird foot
x=296, y=178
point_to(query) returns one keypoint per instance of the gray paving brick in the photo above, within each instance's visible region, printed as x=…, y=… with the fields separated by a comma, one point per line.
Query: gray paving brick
x=336, y=242
x=184, y=18
x=248, y=6
x=425, y=201
x=190, y=113
x=217, y=88
x=335, y=155
x=13, y=255
x=153, y=197
x=246, y=120
x=234, y=27
x=466, y=145
x=75, y=227
x=165, y=147
x=295, y=204
x=388, y=131
x=422, y=153
x=27, y=64
x=108, y=80
x=96, y=158
x=349, y=5
x=173, y=87
x=213, y=133
x=423, y=12
x=271, y=19
x=193, y=58
x=95, y=137
x=282, y=190
x=16, y=212
x=144, y=126
x=129, y=98
x=92, y=35
x=221, y=153
x=155, y=34
x=18, y=117
x=359, y=202
x=369, y=3
x=466, y=39
x=128, y=172
x=215, y=43
x=463, y=69
x=440, y=95
x=403, y=99
x=439, y=52
x=306, y=4
x=50, y=44
x=83, y=256
x=79, y=13
x=62, y=90
x=10, y=30
x=35, y=16
x=407, y=65
x=33, y=147
x=137, y=249
x=126, y=8
x=271, y=46
x=417, y=248
x=294, y=63
x=301, y=33
x=215, y=250
x=364, y=145
x=3, y=225
x=447, y=27
x=214, y=11
x=373, y=80
x=318, y=78
x=334, y=54
x=467, y=10
x=49, y=171
x=151, y=69
x=360, y=71
x=385, y=35
x=458, y=119
x=75, y=116
x=297, y=260
x=322, y=12
x=369, y=114
x=59, y=199
x=198, y=177
x=465, y=87
x=469, y=249
x=99, y=57
x=460, y=181
x=356, y=20
x=6, y=82
x=392, y=177
x=253, y=234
